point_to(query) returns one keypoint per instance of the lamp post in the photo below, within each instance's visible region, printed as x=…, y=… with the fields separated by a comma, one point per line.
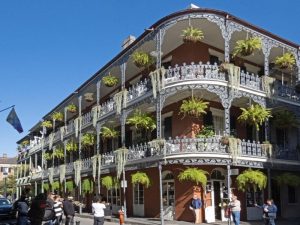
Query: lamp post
x=162, y=222
x=228, y=190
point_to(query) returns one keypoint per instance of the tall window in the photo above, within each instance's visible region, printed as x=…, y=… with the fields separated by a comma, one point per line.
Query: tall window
x=218, y=120
x=168, y=190
x=113, y=196
x=138, y=194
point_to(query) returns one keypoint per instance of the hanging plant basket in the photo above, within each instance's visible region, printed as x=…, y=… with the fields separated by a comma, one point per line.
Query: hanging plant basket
x=142, y=121
x=71, y=146
x=46, y=186
x=25, y=143
x=288, y=179
x=88, y=140
x=251, y=178
x=194, y=107
x=87, y=186
x=109, y=133
x=70, y=185
x=55, y=186
x=140, y=178
x=47, y=156
x=255, y=115
x=206, y=132
x=142, y=59
x=57, y=116
x=246, y=47
x=89, y=97
x=47, y=124
x=285, y=119
x=110, y=80
x=58, y=153
x=192, y=35
x=195, y=175
x=286, y=61
x=72, y=108
x=110, y=182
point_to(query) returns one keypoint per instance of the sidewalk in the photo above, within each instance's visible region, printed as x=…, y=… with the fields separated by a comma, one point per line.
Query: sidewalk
x=156, y=221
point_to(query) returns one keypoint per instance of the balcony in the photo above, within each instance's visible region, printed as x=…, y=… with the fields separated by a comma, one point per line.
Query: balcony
x=287, y=92
x=208, y=72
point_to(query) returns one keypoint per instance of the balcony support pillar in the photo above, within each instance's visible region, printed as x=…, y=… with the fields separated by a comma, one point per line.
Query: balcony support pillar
x=98, y=89
x=158, y=116
x=65, y=162
x=298, y=65
x=266, y=49
x=80, y=121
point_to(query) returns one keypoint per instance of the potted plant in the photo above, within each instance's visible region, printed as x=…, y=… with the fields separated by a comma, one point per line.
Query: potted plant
x=109, y=133
x=71, y=146
x=193, y=107
x=286, y=61
x=70, y=185
x=57, y=116
x=192, y=34
x=142, y=121
x=72, y=108
x=206, y=132
x=140, y=178
x=88, y=140
x=87, y=186
x=47, y=124
x=246, y=47
x=195, y=175
x=255, y=115
x=142, y=59
x=251, y=178
x=58, y=153
x=110, y=80
x=289, y=179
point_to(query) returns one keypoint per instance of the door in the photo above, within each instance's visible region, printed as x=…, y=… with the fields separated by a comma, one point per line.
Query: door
x=169, y=199
x=138, y=200
x=209, y=206
x=217, y=199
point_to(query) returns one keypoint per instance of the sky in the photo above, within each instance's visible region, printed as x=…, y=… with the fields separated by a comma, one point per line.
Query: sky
x=49, y=48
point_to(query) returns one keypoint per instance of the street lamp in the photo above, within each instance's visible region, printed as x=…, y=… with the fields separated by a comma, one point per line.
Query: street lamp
x=161, y=195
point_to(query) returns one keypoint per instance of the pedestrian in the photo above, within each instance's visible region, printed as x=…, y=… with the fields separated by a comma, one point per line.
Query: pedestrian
x=269, y=212
x=98, y=210
x=235, y=208
x=22, y=206
x=58, y=209
x=69, y=210
x=196, y=205
x=37, y=209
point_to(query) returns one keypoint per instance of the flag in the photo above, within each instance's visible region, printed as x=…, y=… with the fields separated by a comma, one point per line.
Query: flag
x=13, y=119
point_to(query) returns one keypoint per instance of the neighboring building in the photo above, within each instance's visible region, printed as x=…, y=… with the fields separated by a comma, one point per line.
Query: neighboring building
x=7, y=166
x=192, y=69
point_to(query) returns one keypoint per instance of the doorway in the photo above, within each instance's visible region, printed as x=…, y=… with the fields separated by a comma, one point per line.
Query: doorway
x=217, y=199
x=138, y=200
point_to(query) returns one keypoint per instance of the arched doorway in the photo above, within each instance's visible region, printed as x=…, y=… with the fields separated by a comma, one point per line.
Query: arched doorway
x=168, y=187
x=215, y=192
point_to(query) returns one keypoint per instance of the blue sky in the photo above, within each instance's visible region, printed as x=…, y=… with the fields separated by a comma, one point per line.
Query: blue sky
x=48, y=48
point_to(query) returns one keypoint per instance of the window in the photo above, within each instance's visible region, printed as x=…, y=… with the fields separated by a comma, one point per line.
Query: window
x=218, y=120
x=292, y=197
x=138, y=194
x=168, y=190
x=113, y=196
x=214, y=59
x=167, y=127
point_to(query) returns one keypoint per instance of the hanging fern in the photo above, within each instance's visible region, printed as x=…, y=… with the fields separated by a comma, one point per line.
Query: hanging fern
x=285, y=119
x=109, y=133
x=72, y=108
x=55, y=185
x=195, y=175
x=46, y=186
x=25, y=143
x=191, y=34
x=206, y=132
x=87, y=186
x=110, y=182
x=142, y=59
x=251, y=178
x=246, y=47
x=71, y=146
x=110, y=80
x=286, y=61
x=70, y=185
x=193, y=107
x=88, y=140
x=58, y=153
x=255, y=115
x=140, y=178
x=48, y=155
x=289, y=179
x=142, y=121
x=47, y=124
x=58, y=116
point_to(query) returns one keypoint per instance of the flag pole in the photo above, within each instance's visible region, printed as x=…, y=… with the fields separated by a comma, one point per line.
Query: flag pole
x=7, y=108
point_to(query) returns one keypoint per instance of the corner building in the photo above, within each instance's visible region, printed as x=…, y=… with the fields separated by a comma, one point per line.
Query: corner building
x=191, y=69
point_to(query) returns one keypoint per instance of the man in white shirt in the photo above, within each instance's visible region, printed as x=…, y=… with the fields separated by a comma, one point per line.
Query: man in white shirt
x=98, y=211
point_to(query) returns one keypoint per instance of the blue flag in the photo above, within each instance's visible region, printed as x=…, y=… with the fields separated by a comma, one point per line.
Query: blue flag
x=13, y=119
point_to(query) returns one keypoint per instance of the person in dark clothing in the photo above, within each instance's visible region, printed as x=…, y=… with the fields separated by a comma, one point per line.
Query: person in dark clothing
x=69, y=210
x=22, y=206
x=49, y=215
x=269, y=212
x=37, y=209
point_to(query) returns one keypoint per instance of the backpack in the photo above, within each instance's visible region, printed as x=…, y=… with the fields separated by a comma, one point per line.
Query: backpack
x=49, y=212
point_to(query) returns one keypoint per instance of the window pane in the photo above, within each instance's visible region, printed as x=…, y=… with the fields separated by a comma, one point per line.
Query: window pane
x=292, y=194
